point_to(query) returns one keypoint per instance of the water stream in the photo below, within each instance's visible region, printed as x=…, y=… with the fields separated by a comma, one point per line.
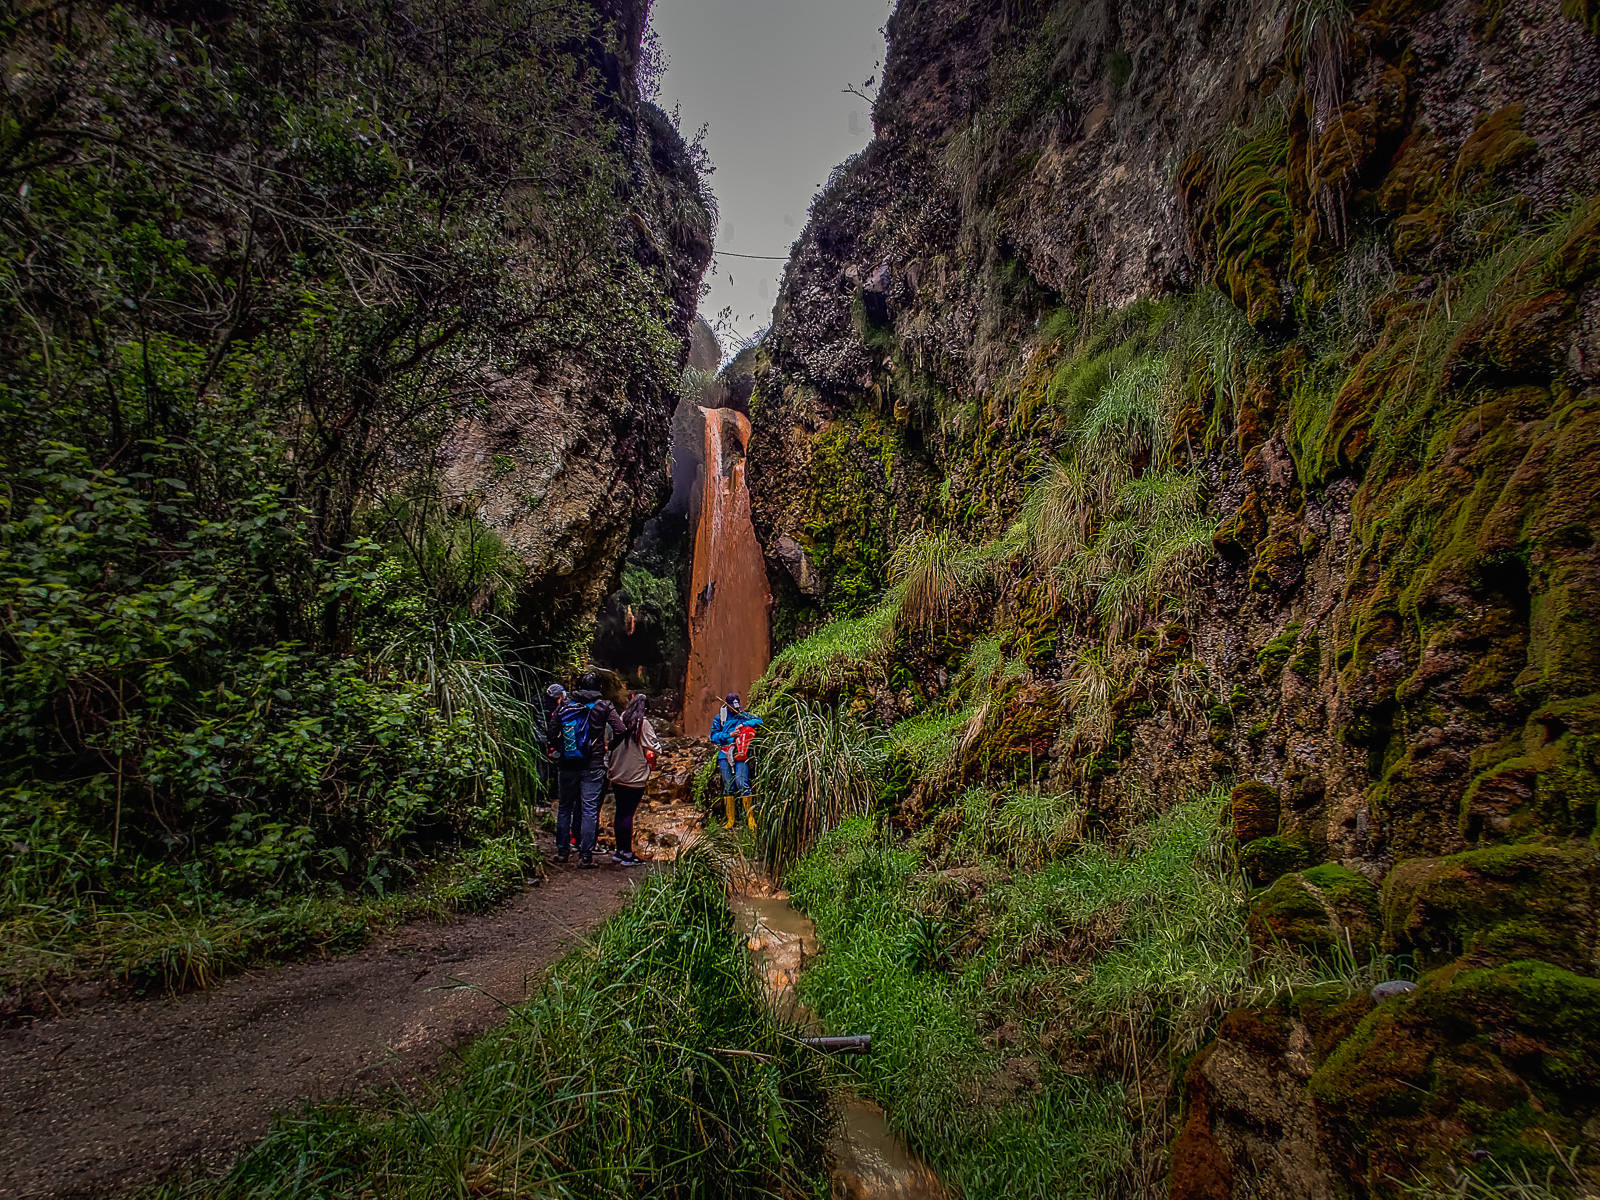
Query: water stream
x=728, y=646
x=869, y=1161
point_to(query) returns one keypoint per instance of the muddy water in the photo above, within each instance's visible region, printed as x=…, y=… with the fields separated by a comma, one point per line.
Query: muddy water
x=728, y=647
x=869, y=1161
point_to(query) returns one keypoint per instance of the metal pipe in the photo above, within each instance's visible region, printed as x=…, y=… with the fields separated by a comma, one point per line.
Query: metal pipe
x=855, y=1043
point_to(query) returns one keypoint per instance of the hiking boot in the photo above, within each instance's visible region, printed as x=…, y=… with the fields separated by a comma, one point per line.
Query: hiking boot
x=585, y=862
x=562, y=858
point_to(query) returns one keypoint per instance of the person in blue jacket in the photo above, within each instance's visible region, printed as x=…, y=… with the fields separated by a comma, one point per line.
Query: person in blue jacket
x=577, y=727
x=733, y=753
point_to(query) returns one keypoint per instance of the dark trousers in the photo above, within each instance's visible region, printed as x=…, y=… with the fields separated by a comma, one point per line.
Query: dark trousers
x=578, y=791
x=735, y=776
x=627, y=802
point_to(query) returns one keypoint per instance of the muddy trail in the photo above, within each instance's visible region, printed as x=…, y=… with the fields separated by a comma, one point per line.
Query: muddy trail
x=118, y=1095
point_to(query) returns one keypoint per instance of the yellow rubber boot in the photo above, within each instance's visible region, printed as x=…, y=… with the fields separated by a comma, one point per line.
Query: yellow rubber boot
x=748, y=815
x=727, y=802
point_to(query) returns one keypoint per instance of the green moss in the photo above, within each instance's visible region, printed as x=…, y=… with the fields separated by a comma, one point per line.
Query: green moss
x=1271, y=658
x=1242, y=216
x=1119, y=69
x=1497, y=904
x=1266, y=859
x=1254, y=808
x=1587, y=11
x=1419, y=1072
x=1546, y=780
x=1497, y=145
x=1307, y=661
x=1328, y=913
x=850, y=511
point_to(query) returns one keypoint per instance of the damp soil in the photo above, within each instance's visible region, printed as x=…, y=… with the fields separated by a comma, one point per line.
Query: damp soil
x=111, y=1097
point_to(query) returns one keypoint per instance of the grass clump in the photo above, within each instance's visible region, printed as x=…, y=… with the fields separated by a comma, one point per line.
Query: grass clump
x=648, y=1064
x=196, y=939
x=818, y=766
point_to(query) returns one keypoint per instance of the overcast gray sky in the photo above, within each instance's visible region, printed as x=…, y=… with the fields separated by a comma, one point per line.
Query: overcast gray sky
x=768, y=76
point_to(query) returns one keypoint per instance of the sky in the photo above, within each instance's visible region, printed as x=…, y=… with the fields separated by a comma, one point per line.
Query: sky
x=767, y=77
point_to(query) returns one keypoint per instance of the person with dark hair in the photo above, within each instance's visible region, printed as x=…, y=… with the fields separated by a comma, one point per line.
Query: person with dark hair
x=632, y=759
x=732, y=730
x=577, y=727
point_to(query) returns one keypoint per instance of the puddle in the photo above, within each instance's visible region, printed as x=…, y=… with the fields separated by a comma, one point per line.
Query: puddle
x=869, y=1161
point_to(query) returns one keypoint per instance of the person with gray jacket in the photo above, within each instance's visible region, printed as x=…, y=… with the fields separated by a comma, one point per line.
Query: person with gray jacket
x=632, y=760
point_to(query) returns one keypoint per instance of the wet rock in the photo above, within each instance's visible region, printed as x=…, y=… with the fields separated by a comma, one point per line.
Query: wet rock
x=795, y=560
x=1389, y=989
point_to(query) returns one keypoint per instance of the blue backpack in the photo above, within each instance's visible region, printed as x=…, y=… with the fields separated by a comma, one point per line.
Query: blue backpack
x=577, y=732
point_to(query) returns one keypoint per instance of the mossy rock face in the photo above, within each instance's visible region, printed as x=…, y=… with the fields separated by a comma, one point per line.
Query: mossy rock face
x=1254, y=807
x=1578, y=258
x=1496, y=1059
x=1275, y=655
x=1520, y=338
x=1242, y=216
x=1548, y=780
x=1247, y=1116
x=1328, y=913
x=1268, y=858
x=1280, y=564
x=1307, y=661
x=1238, y=536
x=1497, y=145
x=1498, y=904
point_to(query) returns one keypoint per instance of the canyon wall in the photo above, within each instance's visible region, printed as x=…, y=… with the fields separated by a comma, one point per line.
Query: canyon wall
x=565, y=459
x=1356, y=256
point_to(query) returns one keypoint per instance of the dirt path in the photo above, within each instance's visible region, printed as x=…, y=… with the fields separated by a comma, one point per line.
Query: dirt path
x=118, y=1095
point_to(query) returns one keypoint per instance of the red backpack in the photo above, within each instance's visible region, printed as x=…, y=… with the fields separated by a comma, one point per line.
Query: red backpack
x=742, y=737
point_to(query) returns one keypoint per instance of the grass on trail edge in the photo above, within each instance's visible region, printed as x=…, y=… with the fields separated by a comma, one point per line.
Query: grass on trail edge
x=178, y=947
x=648, y=1064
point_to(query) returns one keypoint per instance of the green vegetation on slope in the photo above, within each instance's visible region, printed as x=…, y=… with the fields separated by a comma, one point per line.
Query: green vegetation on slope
x=647, y=1064
x=1005, y=967
x=251, y=272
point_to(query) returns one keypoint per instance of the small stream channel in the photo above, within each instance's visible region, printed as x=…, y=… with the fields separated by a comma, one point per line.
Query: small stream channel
x=869, y=1161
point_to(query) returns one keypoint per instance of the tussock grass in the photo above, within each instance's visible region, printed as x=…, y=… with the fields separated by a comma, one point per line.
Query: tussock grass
x=648, y=1064
x=936, y=573
x=818, y=766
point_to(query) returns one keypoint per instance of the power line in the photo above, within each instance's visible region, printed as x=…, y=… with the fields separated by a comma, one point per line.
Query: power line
x=762, y=257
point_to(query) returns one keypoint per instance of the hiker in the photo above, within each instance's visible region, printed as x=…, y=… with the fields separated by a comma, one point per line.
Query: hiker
x=733, y=730
x=577, y=729
x=632, y=759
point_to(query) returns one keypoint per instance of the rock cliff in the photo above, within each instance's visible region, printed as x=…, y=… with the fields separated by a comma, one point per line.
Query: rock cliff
x=565, y=459
x=1319, y=287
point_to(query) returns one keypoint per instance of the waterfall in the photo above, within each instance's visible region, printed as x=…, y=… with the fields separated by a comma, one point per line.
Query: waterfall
x=728, y=643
